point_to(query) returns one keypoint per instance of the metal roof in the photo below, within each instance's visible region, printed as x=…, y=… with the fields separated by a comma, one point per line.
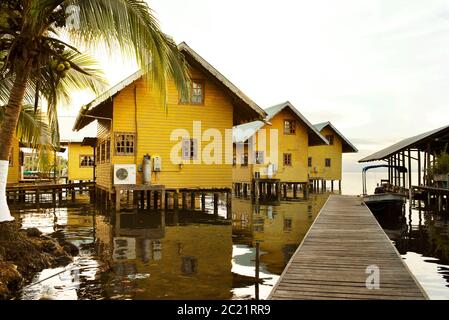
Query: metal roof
x=419, y=141
x=88, y=109
x=243, y=132
x=347, y=145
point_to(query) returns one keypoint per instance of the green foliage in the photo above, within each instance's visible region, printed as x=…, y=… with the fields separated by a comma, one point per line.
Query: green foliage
x=441, y=163
x=30, y=32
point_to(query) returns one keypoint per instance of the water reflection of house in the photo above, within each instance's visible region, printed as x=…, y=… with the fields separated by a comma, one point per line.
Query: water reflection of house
x=279, y=229
x=190, y=261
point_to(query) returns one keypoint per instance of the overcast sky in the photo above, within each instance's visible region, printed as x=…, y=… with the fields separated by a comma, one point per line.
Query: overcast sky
x=378, y=69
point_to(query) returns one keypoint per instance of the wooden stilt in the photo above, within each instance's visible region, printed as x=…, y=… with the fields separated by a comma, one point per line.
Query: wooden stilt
x=203, y=202
x=184, y=200
x=192, y=201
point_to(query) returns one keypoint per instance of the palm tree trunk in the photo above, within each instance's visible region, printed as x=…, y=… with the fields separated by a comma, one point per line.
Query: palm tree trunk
x=8, y=131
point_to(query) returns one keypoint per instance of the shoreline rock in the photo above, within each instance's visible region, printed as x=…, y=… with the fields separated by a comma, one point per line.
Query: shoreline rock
x=25, y=252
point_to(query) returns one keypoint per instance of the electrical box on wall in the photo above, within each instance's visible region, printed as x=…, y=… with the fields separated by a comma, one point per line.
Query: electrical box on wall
x=157, y=164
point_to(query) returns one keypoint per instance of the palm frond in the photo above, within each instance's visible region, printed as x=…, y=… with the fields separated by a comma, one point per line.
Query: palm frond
x=131, y=26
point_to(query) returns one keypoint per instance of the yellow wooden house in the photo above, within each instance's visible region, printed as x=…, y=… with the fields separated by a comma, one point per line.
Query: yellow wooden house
x=14, y=171
x=276, y=148
x=81, y=162
x=133, y=123
x=325, y=162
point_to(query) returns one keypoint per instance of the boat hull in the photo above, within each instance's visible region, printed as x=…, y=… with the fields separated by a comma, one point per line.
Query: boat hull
x=385, y=203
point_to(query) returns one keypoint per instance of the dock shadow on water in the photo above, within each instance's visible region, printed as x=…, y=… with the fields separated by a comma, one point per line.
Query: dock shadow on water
x=170, y=254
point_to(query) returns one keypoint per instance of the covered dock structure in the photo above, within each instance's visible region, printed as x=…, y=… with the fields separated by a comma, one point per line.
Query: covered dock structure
x=417, y=154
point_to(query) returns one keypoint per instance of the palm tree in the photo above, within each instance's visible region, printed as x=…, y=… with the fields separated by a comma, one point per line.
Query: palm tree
x=36, y=62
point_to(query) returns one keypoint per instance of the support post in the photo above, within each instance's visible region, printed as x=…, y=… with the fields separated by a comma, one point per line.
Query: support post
x=203, y=202
x=117, y=200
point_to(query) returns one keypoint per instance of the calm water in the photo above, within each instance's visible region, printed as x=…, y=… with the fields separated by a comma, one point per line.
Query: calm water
x=144, y=255
x=150, y=255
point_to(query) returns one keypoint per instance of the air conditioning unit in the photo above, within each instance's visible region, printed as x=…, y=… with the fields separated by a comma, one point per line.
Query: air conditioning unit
x=125, y=174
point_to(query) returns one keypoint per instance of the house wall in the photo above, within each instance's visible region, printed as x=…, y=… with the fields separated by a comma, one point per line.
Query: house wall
x=320, y=153
x=75, y=172
x=14, y=170
x=138, y=109
x=295, y=144
x=103, y=172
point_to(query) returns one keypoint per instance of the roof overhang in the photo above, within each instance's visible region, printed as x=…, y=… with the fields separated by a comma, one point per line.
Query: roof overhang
x=245, y=110
x=243, y=132
x=347, y=146
x=435, y=139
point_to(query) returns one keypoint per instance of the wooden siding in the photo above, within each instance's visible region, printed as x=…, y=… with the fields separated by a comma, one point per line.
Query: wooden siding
x=138, y=109
x=320, y=153
x=75, y=172
x=103, y=170
x=14, y=170
x=294, y=144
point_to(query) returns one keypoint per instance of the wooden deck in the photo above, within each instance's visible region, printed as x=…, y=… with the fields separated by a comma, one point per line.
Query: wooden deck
x=331, y=261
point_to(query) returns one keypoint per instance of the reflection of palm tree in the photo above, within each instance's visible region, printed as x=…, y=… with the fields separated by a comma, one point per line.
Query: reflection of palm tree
x=35, y=63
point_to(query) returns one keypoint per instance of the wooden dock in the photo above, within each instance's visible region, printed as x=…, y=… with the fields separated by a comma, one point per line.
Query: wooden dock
x=332, y=260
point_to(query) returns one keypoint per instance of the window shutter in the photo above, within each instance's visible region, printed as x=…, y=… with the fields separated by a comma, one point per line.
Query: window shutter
x=185, y=149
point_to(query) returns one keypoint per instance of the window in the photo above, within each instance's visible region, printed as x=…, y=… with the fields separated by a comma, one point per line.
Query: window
x=288, y=224
x=189, y=265
x=287, y=159
x=98, y=153
x=124, y=144
x=289, y=127
x=327, y=162
x=189, y=149
x=259, y=156
x=11, y=156
x=196, y=93
x=108, y=150
x=86, y=161
x=330, y=138
x=103, y=152
x=309, y=162
x=244, y=159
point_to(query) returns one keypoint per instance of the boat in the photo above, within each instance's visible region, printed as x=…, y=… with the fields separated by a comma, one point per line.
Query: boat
x=384, y=202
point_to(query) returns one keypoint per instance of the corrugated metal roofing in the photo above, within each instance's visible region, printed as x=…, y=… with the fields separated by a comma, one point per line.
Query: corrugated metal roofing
x=411, y=142
x=347, y=145
x=243, y=132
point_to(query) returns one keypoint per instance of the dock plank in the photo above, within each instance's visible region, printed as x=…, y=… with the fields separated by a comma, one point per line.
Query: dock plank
x=332, y=259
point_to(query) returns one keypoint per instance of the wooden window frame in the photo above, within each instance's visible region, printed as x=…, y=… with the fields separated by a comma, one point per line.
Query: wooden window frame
x=98, y=153
x=257, y=157
x=326, y=162
x=244, y=163
x=189, y=101
x=289, y=155
x=288, y=224
x=108, y=151
x=330, y=138
x=11, y=158
x=292, y=127
x=193, y=149
x=125, y=154
x=86, y=155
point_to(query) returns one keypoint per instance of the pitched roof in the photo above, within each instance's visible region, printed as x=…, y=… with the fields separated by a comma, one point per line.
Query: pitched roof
x=248, y=108
x=243, y=132
x=418, y=141
x=347, y=145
